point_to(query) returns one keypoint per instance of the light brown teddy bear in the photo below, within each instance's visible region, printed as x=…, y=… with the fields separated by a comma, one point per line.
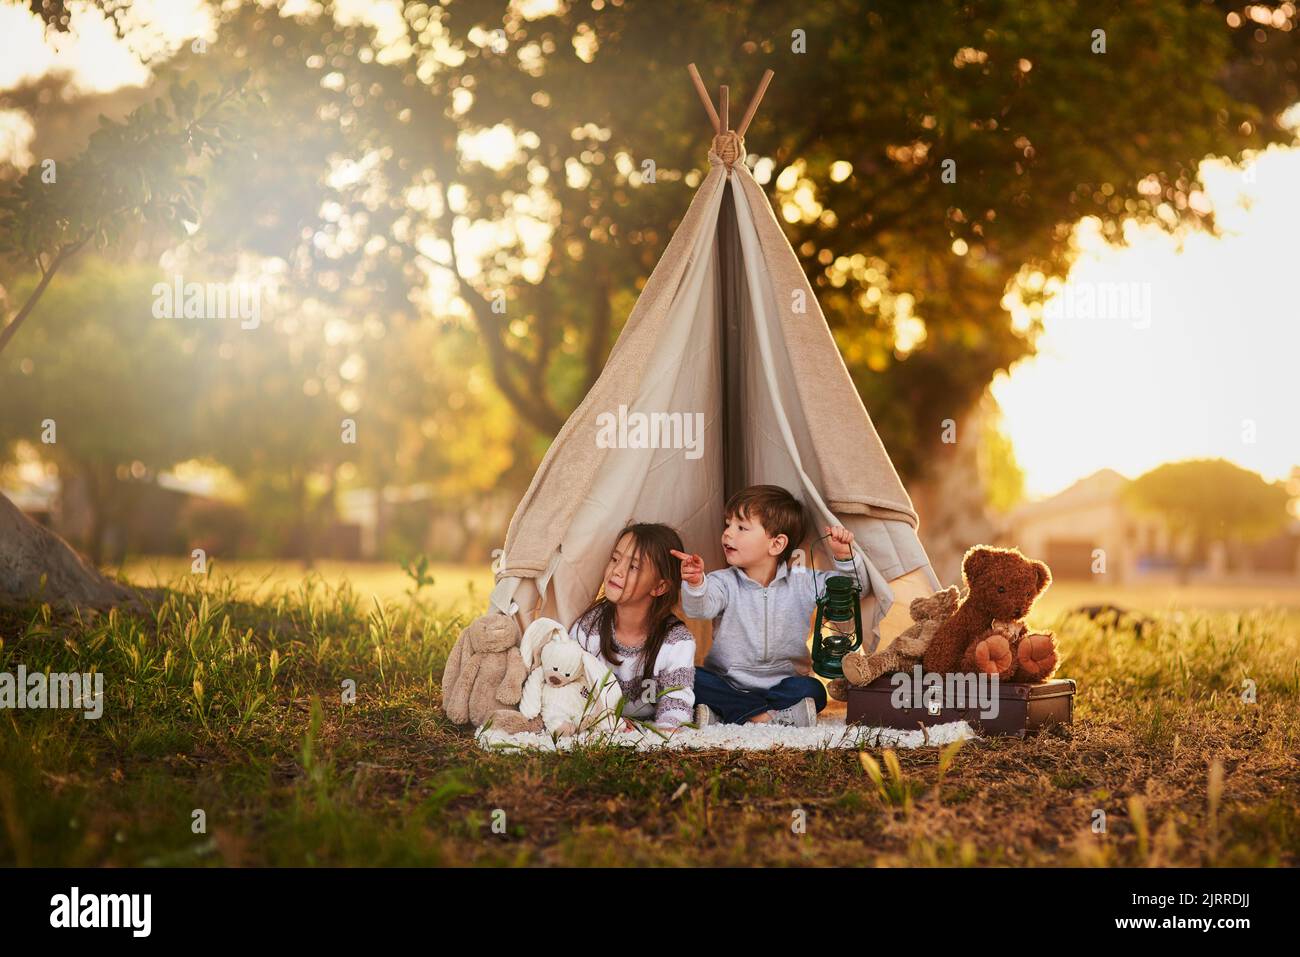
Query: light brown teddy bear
x=987, y=632
x=484, y=670
x=905, y=651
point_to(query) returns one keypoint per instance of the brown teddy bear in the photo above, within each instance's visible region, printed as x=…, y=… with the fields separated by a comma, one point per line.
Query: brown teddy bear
x=987, y=632
x=928, y=613
x=484, y=671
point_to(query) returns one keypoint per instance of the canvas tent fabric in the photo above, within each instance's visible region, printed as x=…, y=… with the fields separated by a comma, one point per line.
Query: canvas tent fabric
x=728, y=333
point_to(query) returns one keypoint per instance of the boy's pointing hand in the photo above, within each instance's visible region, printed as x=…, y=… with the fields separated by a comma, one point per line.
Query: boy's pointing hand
x=692, y=568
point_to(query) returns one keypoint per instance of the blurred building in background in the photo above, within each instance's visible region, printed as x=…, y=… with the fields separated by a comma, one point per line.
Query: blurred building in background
x=1088, y=527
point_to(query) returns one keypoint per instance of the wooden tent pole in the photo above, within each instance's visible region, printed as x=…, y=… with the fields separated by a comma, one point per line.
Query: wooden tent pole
x=724, y=109
x=704, y=97
x=753, y=104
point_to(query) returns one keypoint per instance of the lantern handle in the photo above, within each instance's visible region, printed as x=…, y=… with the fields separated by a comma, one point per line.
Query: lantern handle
x=812, y=558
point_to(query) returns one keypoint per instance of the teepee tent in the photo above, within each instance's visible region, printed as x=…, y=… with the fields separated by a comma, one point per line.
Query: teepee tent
x=726, y=335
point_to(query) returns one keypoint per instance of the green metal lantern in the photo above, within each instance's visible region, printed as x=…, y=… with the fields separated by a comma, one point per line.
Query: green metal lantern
x=838, y=628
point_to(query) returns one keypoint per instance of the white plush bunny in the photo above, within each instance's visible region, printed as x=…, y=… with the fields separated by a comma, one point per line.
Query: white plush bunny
x=564, y=680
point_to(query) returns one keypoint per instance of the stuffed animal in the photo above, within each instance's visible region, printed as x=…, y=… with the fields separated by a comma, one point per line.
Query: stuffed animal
x=987, y=632
x=484, y=671
x=560, y=689
x=928, y=613
x=600, y=682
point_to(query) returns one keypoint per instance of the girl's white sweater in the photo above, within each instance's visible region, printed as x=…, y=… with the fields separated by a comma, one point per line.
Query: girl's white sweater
x=674, y=668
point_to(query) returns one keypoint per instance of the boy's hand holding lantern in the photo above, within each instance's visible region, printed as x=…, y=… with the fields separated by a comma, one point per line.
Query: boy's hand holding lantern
x=841, y=543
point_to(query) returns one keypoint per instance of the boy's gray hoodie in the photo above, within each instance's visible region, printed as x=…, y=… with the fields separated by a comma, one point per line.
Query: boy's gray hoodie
x=757, y=631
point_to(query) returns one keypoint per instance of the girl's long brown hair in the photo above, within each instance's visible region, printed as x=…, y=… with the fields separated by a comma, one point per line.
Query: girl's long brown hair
x=653, y=544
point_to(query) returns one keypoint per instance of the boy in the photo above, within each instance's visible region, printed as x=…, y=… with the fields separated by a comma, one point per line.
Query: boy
x=762, y=609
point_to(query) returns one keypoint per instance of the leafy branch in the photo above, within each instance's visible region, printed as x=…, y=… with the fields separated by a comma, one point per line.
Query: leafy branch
x=134, y=171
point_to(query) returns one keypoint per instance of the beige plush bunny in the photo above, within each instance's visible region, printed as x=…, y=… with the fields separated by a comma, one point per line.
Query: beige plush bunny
x=559, y=689
x=568, y=690
x=484, y=671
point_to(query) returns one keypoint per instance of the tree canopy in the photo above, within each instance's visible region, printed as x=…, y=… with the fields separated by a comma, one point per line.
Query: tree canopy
x=469, y=190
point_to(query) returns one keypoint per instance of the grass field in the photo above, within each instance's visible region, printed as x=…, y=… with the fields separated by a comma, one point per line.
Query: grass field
x=465, y=587
x=455, y=587
x=225, y=698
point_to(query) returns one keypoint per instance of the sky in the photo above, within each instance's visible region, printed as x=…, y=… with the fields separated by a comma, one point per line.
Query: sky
x=1200, y=362
x=1205, y=363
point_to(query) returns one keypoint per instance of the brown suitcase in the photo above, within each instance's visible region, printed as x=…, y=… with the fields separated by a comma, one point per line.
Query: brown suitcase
x=1021, y=708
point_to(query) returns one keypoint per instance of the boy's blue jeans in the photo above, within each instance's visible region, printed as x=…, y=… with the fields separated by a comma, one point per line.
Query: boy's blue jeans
x=737, y=705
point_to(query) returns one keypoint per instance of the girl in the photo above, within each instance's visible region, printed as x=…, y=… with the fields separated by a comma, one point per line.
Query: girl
x=631, y=627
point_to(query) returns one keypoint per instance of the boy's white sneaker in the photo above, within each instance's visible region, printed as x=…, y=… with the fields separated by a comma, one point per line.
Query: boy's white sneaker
x=801, y=714
x=705, y=716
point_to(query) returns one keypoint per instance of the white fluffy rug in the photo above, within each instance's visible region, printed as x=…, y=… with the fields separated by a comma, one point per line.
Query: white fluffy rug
x=830, y=732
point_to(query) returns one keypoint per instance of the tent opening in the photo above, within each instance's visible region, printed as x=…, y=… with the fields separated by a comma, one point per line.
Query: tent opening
x=731, y=309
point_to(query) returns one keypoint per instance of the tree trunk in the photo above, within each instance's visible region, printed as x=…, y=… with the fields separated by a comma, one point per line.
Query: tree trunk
x=469, y=542
x=30, y=553
x=321, y=513
x=952, y=502
x=381, y=515
x=99, y=490
x=295, y=544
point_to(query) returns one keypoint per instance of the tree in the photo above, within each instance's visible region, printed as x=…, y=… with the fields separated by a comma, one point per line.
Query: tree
x=1204, y=500
x=103, y=388
x=430, y=416
x=133, y=175
x=854, y=137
